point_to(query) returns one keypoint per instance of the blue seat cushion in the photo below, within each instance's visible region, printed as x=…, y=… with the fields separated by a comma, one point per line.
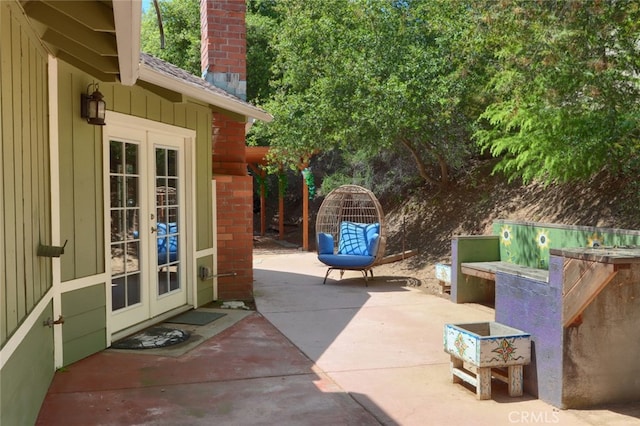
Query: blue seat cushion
x=346, y=260
x=355, y=238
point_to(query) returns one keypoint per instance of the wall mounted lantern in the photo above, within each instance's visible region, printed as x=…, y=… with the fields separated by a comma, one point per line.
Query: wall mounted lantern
x=92, y=106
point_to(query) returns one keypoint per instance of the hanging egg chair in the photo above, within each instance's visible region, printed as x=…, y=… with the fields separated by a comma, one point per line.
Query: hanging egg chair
x=350, y=231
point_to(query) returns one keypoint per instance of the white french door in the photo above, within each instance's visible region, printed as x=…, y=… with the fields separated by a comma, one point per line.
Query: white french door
x=146, y=252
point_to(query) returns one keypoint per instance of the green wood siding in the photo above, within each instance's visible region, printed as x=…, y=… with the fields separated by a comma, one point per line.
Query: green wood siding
x=81, y=199
x=202, y=122
x=84, y=329
x=81, y=180
x=205, y=288
x=26, y=376
x=25, y=206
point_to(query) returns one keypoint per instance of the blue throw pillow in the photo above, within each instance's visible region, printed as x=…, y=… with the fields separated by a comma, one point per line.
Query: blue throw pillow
x=353, y=239
x=372, y=233
x=373, y=244
x=325, y=243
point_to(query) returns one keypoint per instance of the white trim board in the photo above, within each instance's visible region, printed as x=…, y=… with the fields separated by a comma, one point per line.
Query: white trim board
x=54, y=165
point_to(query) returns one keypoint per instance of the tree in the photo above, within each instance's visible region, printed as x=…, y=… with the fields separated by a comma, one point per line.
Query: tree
x=181, y=24
x=564, y=84
x=262, y=21
x=368, y=76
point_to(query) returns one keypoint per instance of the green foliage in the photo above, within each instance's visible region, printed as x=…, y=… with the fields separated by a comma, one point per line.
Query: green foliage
x=564, y=81
x=370, y=76
x=283, y=183
x=181, y=24
x=262, y=184
x=307, y=174
x=387, y=173
x=551, y=88
x=262, y=25
x=334, y=181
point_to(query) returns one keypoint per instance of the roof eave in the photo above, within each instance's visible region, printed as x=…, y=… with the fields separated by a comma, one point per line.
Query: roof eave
x=154, y=77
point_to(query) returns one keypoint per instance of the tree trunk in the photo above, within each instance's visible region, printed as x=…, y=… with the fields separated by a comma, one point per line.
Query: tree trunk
x=444, y=171
x=423, y=169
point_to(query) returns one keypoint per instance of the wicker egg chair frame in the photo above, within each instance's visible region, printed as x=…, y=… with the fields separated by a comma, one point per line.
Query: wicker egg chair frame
x=351, y=203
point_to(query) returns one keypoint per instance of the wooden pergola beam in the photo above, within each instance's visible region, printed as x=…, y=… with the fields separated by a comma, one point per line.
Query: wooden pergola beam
x=255, y=157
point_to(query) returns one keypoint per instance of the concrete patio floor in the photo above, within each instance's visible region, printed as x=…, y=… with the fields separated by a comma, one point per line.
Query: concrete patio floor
x=313, y=354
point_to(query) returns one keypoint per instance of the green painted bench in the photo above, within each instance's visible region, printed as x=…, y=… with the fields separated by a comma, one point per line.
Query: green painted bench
x=487, y=270
x=522, y=249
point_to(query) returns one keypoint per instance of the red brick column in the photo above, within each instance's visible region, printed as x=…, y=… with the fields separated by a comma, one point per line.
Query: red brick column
x=229, y=149
x=235, y=236
x=235, y=209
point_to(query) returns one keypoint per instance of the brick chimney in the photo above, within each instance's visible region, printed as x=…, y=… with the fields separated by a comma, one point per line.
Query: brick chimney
x=223, y=60
x=224, y=45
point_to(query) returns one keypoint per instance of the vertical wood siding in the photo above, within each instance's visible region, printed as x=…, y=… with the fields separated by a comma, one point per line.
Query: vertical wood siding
x=25, y=183
x=81, y=201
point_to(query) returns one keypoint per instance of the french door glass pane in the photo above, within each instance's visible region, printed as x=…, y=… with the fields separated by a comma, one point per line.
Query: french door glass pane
x=124, y=183
x=117, y=225
x=172, y=163
x=118, y=298
x=167, y=209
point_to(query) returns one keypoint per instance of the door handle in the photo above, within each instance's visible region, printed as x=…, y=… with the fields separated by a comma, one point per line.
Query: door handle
x=154, y=229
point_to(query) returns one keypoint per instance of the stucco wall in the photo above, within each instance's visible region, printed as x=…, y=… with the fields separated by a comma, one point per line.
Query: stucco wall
x=600, y=359
x=591, y=363
x=535, y=307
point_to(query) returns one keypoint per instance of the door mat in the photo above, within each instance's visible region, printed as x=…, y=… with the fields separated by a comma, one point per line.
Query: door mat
x=155, y=337
x=195, y=318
